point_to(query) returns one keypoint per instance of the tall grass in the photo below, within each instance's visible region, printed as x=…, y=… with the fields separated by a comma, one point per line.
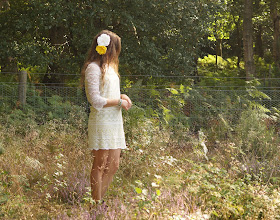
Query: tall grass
x=45, y=167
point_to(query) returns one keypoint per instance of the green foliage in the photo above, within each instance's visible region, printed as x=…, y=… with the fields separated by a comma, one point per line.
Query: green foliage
x=209, y=63
x=4, y=184
x=145, y=197
x=256, y=140
x=227, y=197
x=222, y=73
x=39, y=110
x=60, y=109
x=55, y=35
x=21, y=120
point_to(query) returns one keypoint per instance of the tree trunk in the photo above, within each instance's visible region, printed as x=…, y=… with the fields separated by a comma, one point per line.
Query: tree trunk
x=57, y=39
x=219, y=50
x=248, y=39
x=276, y=32
x=219, y=47
x=259, y=42
x=239, y=41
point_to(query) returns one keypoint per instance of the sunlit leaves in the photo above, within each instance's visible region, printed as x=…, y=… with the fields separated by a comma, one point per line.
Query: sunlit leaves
x=138, y=190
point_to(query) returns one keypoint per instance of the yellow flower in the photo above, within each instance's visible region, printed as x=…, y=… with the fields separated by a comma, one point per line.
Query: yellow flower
x=101, y=49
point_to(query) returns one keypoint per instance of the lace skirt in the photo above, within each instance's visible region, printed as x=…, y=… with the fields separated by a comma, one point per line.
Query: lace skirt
x=105, y=129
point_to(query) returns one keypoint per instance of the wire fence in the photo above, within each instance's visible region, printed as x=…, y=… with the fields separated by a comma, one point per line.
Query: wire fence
x=192, y=101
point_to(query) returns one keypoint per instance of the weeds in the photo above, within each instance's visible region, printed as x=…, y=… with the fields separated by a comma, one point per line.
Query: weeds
x=44, y=171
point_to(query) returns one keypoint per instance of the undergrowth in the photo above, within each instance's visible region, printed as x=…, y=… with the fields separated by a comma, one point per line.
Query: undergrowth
x=44, y=169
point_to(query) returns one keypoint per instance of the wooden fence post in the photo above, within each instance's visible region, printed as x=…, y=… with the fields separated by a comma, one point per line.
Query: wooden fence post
x=22, y=87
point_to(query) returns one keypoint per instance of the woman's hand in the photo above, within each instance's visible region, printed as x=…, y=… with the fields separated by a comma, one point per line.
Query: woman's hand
x=126, y=98
x=125, y=105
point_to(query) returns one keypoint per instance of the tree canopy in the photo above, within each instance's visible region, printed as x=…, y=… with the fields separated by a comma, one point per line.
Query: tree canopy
x=158, y=37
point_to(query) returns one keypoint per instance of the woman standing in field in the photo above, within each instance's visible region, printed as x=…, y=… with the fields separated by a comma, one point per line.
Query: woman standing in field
x=105, y=126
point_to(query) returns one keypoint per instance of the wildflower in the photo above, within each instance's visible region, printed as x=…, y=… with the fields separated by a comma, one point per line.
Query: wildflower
x=154, y=184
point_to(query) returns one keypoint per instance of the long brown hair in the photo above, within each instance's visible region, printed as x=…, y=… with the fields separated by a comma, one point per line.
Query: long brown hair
x=110, y=57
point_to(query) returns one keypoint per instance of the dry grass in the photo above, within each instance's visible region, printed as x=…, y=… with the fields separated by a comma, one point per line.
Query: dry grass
x=45, y=174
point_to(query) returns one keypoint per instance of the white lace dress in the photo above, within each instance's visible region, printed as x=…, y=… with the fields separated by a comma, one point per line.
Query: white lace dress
x=105, y=125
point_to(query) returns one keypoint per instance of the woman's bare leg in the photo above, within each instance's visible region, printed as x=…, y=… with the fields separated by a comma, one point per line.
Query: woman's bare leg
x=100, y=158
x=111, y=168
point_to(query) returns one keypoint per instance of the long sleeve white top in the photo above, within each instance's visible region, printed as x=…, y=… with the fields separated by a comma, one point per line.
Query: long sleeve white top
x=93, y=86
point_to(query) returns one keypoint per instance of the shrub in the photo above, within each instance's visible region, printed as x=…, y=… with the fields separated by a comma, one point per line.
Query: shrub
x=226, y=197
